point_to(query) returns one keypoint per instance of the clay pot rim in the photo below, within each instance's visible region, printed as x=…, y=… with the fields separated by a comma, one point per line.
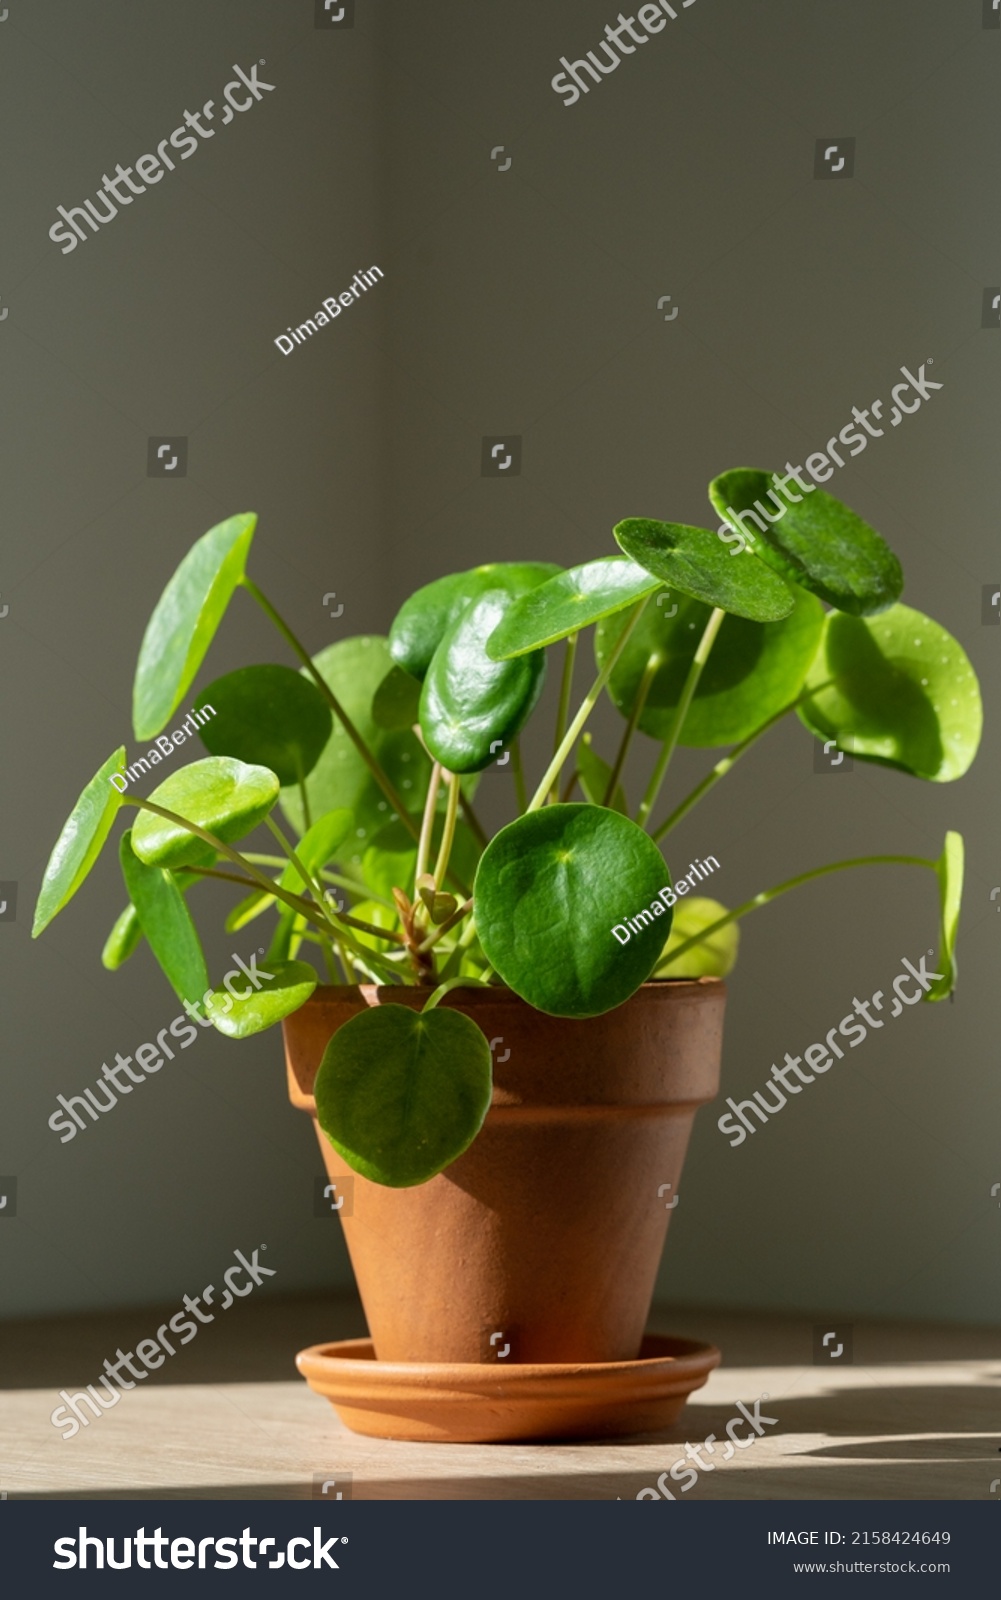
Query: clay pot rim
x=654, y=988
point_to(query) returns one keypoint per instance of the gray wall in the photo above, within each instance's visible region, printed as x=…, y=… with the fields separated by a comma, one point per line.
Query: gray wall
x=519, y=302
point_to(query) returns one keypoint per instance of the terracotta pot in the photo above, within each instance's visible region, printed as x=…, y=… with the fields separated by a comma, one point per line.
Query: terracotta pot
x=541, y=1243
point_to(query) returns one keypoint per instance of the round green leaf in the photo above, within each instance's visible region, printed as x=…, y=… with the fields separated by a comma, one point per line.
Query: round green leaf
x=422, y=621
x=896, y=689
x=569, y=602
x=401, y=1093
x=223, y=796
x=288, y=986
x=811, y=539
x=471, y=706
x=269, y=716
x=354, y=669
x=950, y=886
x=695, y=562
x=551, y=889
x=396, y=703
x=166, y=922
x=80, y=842
x=184, y=622
x=754, y=668
x=713, y=959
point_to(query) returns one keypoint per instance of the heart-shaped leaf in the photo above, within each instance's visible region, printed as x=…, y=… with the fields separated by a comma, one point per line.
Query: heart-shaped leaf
x=422, y=621
x=249, y=1010
x=268, y=716
x=225, y=797
x=354, y=669
x=127, y=934
x=472, y=706
x=755, y=668
x=695, y=562
x=594, y=775
x=712, y=959
x=184, y=622
x=401, y=1093
x=166, y=922
x=896, y=689
x=318, y=846
x=811, y=539
x=569, y=908
x=569, y=602
x=950, y=885
x=396, y=703
x=80, y=842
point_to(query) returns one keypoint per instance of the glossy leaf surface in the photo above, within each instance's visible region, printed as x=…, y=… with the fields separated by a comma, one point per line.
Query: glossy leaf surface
x=80, y=842
x=267, y=716
x=472, y=706
x=694, y=562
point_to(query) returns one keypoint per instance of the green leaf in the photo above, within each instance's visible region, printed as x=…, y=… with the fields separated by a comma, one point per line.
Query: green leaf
x=472, y=706
x=755, y=668
x=223, y=796
x=422, y=621
x=318, y=846
x=551, y=888
x=950, y=885
x=80, y=842
x=594, y=775
x=813, y=540
x=166, y=922
x=354, y=669
x=290, y=985
x=184, y=622
x=696, y=563
x=401, y=1093
x=713, y=959
x=396, y=703
x=568, y=603
x=379, y=916
x=252, y=906
x=269, y=716
x=127, y=934
x=896, y=689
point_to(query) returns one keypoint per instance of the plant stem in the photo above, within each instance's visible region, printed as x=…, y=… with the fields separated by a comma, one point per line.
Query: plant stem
x=445, y=988
x=448, y=831
x=767, y=895
x=568, y=789
x=307, y=820
x=308, y=880
x=722, y=767
x=381, y=778
x=518, y=774
x=474, y=823
x=427, y=823
x=587, y=706
x=563, y=708
x=699, y=660
x=650, y=672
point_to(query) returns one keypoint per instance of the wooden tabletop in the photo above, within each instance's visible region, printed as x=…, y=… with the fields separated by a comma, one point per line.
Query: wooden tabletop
x=917, y=1415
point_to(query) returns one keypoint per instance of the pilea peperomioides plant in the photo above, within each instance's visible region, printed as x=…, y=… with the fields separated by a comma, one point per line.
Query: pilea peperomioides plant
x=372, y=750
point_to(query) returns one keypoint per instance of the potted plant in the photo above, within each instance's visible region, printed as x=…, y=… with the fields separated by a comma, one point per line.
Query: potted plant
x=514, y=1032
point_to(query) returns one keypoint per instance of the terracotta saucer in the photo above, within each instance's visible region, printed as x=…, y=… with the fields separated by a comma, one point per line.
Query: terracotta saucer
x=474, y=1403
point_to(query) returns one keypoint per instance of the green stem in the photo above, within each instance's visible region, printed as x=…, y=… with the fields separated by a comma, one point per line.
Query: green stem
x=381, y=778
x=722, y=767
x=518, y=773
x=445, y=988
x=308, y=880
x=650, y=672
x=446, y=926
x=307, y=819
x=563, y=708
x=587, y=706
x=448, y=832
x=767, y=895
x=699, y=660
x=474, y=823
x=427, y=823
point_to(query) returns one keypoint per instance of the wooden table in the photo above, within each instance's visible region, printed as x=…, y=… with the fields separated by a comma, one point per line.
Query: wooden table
x=917, y=1416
